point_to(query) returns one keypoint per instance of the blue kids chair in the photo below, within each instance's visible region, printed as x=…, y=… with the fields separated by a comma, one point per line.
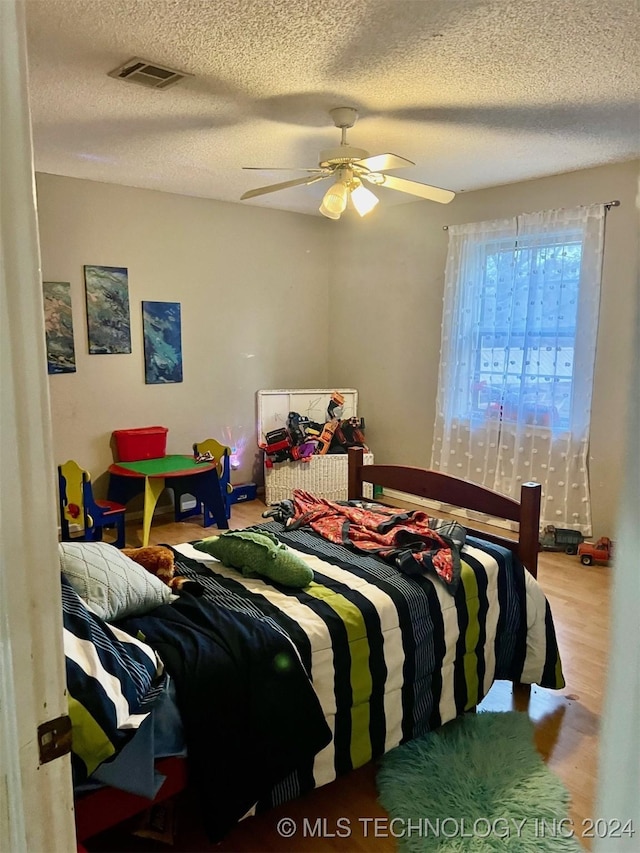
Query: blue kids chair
x=222, y=454
x=78, y=506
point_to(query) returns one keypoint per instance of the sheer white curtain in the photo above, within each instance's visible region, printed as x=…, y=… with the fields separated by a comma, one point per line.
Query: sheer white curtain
x=519, y=331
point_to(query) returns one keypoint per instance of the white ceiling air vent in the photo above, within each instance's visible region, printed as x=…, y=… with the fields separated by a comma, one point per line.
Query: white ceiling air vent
x=148, y=74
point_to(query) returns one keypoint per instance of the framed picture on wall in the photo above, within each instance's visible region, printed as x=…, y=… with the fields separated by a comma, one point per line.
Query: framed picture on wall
x=108, y=318
x=161, y=330
x=58, y=324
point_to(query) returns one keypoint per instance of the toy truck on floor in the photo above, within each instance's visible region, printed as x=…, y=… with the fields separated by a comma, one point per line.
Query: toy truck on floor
x=560, y=539
x=600, y=552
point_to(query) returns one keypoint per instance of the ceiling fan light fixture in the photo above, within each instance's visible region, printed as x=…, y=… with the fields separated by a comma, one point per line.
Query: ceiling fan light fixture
x=329, y=214
x=363, y=200
x=335, y=200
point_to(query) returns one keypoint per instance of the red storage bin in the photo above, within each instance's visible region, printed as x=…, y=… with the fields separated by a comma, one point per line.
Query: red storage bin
x=132, y=445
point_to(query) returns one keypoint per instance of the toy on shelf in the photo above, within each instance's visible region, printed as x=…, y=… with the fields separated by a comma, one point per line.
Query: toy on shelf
x=326, y=437
x=300, y=428
x=600, y=552
x=304, y=452
x=277, y=446
x=281, y=449
x=560, y=539
x=303, y=438
x=349, y=433
x=336, y=406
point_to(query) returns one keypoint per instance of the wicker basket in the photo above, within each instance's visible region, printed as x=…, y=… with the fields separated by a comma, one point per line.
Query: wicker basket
x=323, y=476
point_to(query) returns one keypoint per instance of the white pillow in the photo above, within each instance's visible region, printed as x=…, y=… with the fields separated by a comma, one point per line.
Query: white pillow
x=113, y=584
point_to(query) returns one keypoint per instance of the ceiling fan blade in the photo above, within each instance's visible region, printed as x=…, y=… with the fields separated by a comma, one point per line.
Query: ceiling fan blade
x=416, y=188
x=384, y=162
x=283, y=186
x=281, y=169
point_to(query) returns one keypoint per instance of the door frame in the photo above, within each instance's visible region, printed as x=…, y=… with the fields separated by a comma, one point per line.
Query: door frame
x=36, y=799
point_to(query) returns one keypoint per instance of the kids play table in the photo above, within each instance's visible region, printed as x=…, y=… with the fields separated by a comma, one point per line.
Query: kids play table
x=151, y=476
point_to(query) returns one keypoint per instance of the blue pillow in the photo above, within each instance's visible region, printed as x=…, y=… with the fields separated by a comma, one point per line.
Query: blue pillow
x=112, y=681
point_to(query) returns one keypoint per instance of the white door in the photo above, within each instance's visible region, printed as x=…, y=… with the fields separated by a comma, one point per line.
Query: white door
x=36, y=802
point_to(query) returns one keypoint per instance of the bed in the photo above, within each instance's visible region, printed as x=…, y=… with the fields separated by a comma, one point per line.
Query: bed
x=373, y=656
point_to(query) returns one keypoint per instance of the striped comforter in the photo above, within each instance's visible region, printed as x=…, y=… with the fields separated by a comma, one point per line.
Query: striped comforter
x=112, y=680
x=390, y=656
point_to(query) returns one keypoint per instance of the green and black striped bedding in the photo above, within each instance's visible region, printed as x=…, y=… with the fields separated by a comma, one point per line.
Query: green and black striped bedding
x=390, y=656
x=112, y=679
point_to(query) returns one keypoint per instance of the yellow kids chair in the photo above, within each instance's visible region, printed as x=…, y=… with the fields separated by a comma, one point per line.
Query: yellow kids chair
x=78, y=506
x=222, y=454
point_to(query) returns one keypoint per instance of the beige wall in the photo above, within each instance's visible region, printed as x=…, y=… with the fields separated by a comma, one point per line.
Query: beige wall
x=271, y=299
x=253, y=290
x=386, y=305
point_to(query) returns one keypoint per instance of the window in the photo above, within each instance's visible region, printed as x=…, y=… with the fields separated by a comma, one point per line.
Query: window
x=524, y=353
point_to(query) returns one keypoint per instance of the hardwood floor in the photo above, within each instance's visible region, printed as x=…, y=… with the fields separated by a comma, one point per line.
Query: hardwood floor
x=566, y=722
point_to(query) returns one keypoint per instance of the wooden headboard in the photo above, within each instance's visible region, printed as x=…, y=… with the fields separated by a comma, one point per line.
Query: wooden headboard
x=451, y=490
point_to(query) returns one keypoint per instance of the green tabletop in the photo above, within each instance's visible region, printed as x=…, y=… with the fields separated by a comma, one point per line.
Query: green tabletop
x=165, y=466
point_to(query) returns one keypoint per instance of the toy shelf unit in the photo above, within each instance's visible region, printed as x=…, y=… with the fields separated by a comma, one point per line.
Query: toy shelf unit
x=323, y=475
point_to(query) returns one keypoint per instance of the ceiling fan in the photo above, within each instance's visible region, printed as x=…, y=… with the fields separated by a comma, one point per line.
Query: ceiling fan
x=351, y=169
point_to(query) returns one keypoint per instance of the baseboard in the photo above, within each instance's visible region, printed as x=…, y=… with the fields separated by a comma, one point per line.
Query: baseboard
x=407, y=498
x=451, y=510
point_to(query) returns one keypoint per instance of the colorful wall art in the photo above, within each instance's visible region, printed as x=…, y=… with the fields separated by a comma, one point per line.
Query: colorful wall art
x=162, y=342
x=58, y=324
x=108, y=321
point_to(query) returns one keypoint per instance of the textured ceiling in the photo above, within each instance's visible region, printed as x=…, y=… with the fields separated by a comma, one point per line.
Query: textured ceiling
x=476, y=92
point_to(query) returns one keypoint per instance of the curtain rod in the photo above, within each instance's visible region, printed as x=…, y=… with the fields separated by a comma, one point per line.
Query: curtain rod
x=607, y=206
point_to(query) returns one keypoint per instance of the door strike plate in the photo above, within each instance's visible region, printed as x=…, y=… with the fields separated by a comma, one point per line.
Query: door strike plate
x=54, y=738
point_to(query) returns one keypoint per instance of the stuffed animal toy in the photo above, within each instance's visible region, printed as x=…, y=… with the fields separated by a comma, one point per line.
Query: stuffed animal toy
x=160, y=562
x=258, y=554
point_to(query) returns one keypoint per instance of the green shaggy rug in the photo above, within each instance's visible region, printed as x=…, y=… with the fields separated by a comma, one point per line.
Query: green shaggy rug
x=476, y=784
